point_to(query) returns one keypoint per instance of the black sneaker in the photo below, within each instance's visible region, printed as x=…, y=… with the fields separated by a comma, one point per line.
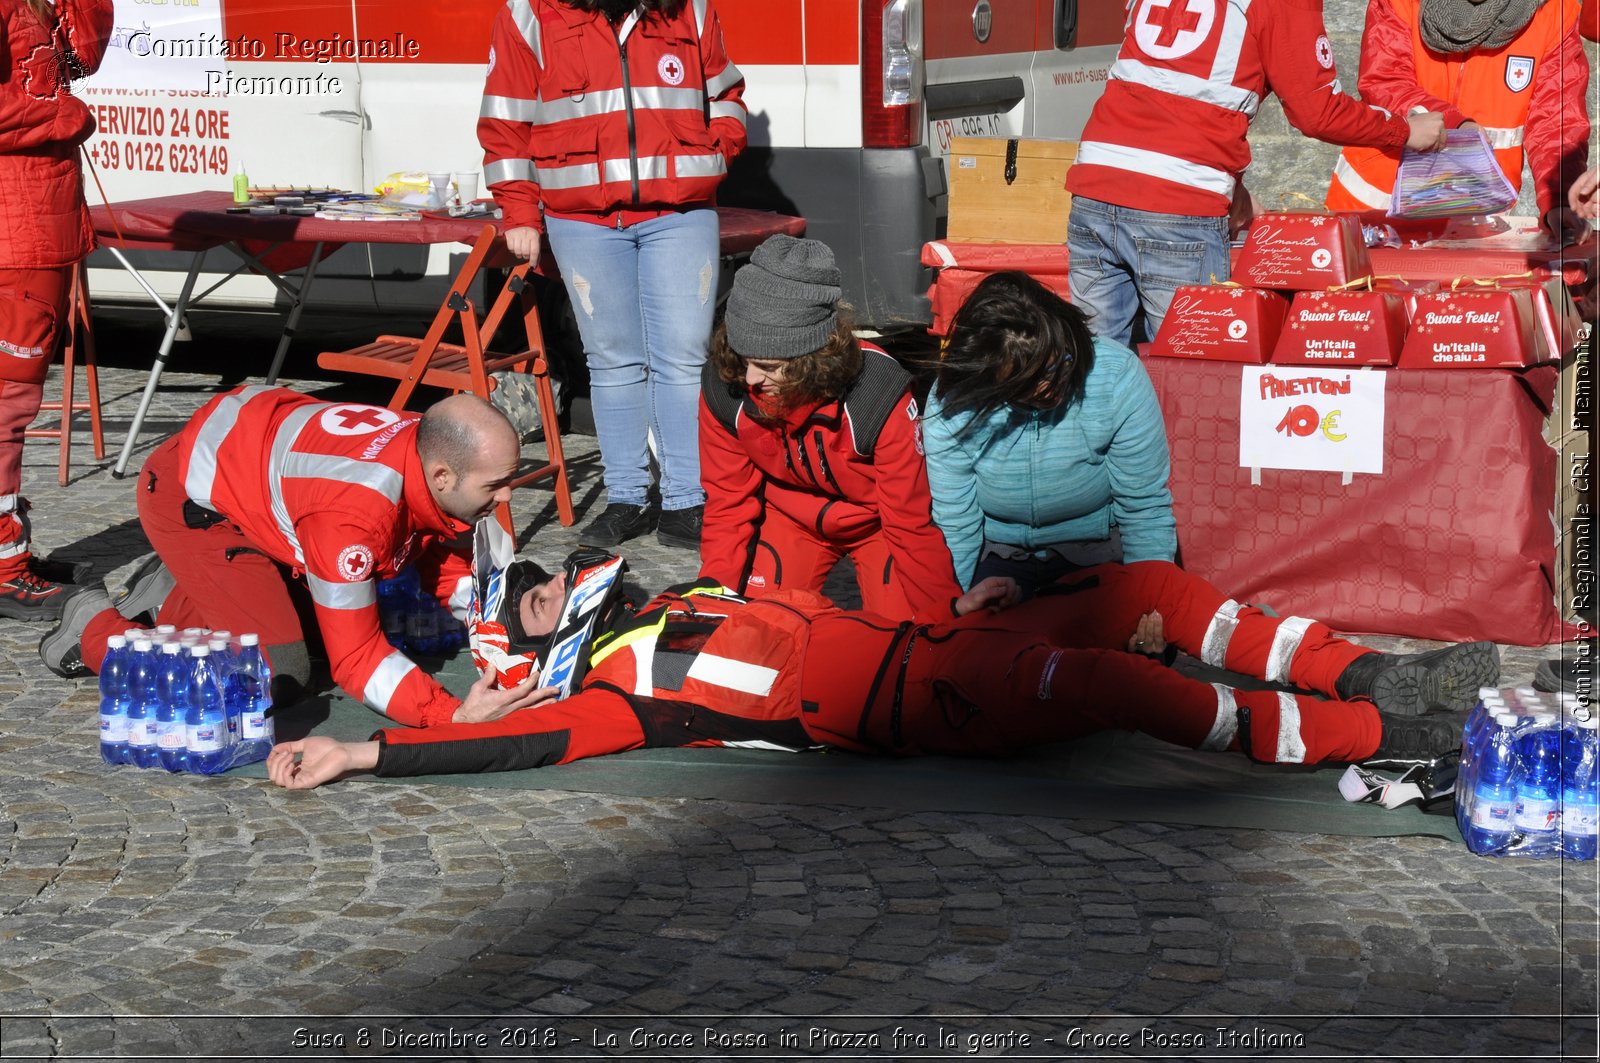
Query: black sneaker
x=619, y=523
x=1424, y=737
x=77, y=573
x=61, y=649
x=1409, y=684
x=27, y=597
x=148, y=586
x=681, y=527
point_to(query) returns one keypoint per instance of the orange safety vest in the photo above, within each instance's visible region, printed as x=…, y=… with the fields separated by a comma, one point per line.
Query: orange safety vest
x=1492, y=88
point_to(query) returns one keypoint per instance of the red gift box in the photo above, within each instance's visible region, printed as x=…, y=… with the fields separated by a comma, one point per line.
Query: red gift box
x=1556, y=319
x=1342, y=328
x=1221, y=323
x=1481, y=328
x=1303, y=252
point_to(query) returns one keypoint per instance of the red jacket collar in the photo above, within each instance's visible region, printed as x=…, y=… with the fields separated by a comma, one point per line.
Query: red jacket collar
x=420, y=503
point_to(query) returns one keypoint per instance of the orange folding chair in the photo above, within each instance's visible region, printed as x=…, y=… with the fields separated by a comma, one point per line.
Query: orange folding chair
x=79, y=335
x=467, y=366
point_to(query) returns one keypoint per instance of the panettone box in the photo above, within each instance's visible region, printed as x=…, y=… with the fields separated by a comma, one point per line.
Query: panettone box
x=1342, y=328
x=1303, y=252
x=1478, y=328
x=1221, y=323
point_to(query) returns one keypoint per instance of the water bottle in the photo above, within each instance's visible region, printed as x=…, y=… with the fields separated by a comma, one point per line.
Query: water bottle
x=172, y=690
x=115, y=696
x=207, y=718
x=252, y=693
x=422, y=627
x=143, y=705
x=1494, y=795
x=1580, y=789
x=222, y=659
x=1538, y=782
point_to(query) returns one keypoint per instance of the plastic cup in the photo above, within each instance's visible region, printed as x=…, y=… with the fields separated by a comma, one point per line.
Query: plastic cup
x=441, y=189
x=466, y=187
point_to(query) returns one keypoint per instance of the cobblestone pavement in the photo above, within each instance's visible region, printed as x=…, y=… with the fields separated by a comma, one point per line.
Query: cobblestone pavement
x=627, y=926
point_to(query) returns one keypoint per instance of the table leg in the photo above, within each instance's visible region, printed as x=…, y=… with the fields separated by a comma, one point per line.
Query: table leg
x=174, y=322
x=294, y=314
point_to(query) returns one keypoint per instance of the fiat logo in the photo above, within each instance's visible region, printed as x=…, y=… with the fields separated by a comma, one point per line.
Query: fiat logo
x=982, y=20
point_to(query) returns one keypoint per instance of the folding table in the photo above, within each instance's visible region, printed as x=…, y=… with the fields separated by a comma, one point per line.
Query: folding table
x=275, y=245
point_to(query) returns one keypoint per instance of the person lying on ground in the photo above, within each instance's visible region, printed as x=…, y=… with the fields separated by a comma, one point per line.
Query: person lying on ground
x=701, y=666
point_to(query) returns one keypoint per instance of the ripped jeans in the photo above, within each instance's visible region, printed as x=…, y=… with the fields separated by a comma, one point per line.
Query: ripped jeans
x=644, y=297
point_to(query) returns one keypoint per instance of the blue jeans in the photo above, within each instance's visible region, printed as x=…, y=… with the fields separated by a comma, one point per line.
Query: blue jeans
x=644, y=297
x=1121, y=261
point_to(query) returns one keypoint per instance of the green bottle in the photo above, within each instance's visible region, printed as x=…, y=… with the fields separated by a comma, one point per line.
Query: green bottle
x=241, y=188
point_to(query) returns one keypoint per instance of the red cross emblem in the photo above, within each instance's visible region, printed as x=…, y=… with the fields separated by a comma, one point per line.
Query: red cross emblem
x=353, y=420
x=1169, y=29
x=670, y=69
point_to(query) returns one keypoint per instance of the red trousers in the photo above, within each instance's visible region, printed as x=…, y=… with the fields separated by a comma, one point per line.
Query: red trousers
x=789, y=555
x=223, y=581
x=992, y=686
x=33, y=309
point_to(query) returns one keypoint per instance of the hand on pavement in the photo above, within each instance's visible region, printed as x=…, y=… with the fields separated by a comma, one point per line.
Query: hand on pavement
x=319, y=760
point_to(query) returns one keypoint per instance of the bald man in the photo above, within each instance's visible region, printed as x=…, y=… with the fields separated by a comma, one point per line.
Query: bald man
x=267, y=495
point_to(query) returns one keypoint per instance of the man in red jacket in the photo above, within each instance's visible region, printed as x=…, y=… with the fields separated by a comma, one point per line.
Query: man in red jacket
x=266, y=488
x=1170, y=131
x=810, y=447
x=44, y=234
x=704, y=667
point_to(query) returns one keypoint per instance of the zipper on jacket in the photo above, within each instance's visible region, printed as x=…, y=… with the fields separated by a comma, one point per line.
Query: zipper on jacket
x=633, y=136
x=822, y=460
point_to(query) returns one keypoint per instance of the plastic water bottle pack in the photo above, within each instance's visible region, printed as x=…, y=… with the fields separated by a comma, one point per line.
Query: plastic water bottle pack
x=192, y=702
x=1529, y=780
x=413, y=620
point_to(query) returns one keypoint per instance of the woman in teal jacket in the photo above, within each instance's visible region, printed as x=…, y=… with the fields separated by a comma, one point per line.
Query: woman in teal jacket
x=1045, y=446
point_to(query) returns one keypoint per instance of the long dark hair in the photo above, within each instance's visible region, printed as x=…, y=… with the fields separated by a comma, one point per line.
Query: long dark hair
x=1014, y=343
x=45, y=11
x=664, y=8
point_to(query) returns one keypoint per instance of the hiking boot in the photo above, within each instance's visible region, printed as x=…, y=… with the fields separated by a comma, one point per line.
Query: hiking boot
x=681, y=527
x=148, y=586
x=27, y=597
x=1561, y=674
x=619, y=523
x=61, y=649
x=1409, y=684
x=1422, y=737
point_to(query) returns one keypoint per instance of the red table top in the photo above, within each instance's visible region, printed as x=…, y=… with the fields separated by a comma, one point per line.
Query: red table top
x=198, y=220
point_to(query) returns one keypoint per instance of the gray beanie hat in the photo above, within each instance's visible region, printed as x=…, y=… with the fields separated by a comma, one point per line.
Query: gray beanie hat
x=784, y=301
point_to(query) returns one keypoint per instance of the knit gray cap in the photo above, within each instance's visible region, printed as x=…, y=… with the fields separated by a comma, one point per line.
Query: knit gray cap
x=784, y=300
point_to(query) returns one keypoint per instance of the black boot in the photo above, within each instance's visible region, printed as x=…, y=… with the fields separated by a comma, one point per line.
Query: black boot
x=1409, y=684
x=1424, y=737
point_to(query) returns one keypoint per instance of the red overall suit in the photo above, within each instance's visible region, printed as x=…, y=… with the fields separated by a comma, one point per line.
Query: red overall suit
x=703, y=667
x=785, y=501
x=265, y=485
x=44, y=222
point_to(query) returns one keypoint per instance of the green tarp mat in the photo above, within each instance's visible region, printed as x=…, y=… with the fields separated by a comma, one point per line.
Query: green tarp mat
x=1111, y=776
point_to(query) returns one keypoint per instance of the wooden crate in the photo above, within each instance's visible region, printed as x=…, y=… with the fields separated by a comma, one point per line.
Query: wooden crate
x=1032, y=209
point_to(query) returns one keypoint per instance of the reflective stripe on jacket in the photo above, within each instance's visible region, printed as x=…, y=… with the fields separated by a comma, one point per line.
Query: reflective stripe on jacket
x=1169, y=133
x=1527, y=96
x=582, y=117
x=333, y=491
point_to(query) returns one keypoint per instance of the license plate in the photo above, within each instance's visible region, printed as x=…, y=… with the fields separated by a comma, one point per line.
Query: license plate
x=941, y=131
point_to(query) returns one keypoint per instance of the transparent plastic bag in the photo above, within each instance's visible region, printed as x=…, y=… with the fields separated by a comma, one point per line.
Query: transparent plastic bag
x=1461, y=178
